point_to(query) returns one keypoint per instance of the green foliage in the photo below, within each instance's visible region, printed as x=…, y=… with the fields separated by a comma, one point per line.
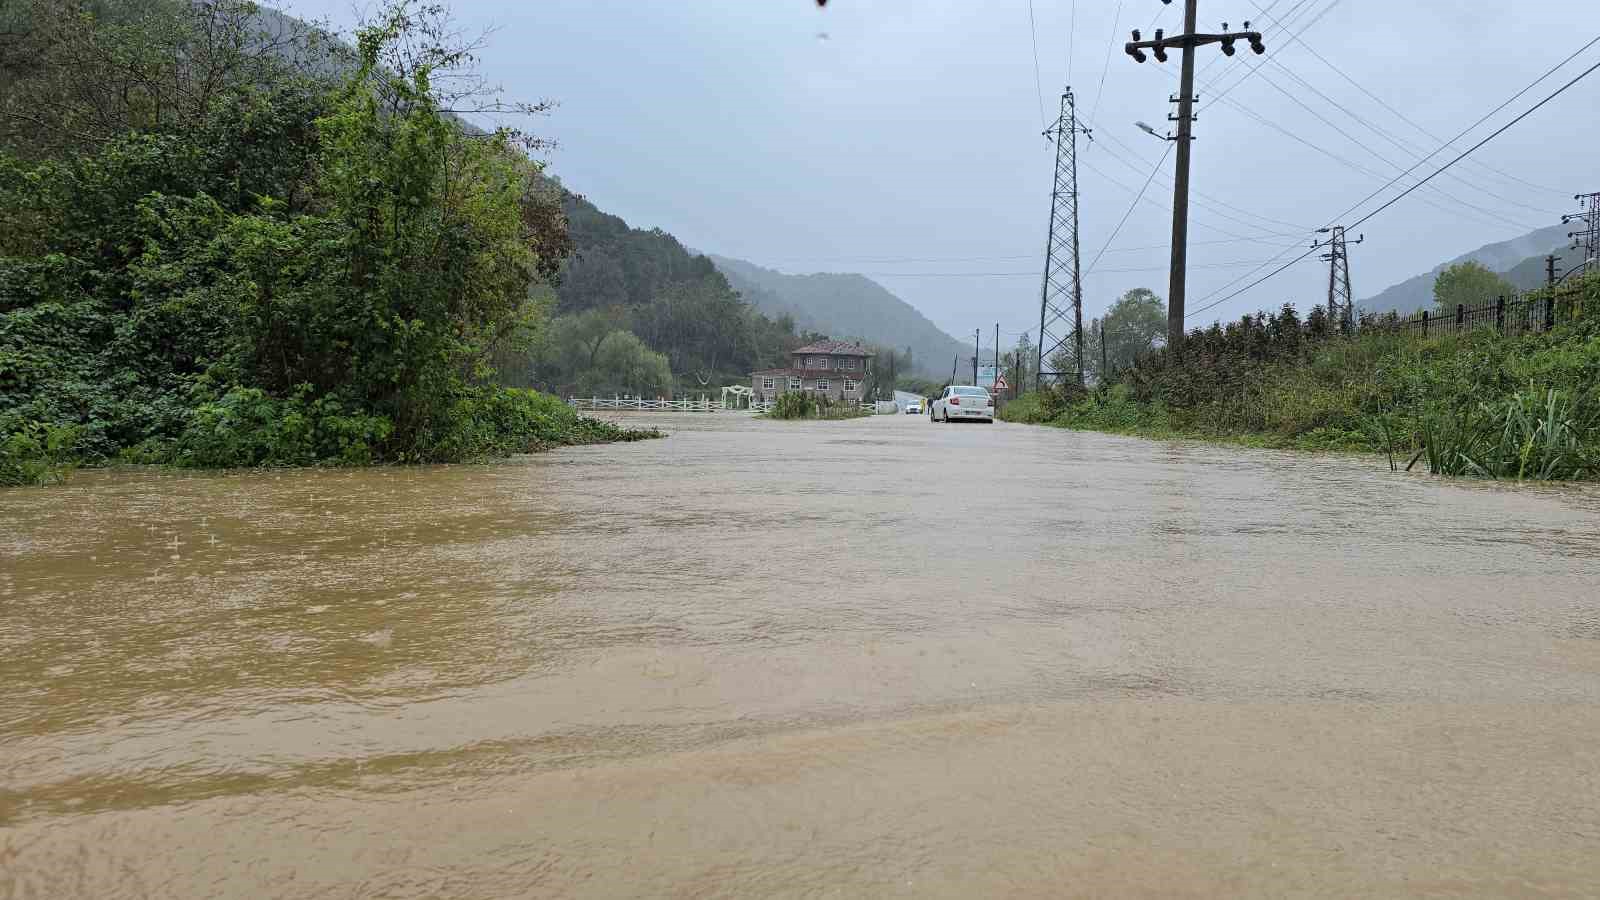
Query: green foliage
x=1477, y=404
x=589, y=355
x=799, y=405
x=794, y=405
x=675, y=301
x=286, y=271
x=1548, y=437
x=1134, y=324
x=1470, y=284
x=36, y=453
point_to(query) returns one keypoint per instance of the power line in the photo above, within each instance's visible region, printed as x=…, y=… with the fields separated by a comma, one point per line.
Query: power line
x=1131, y=206
x=1404, y=146
x=1402, y=116
x=1238, y=264
x=1100, y=92
x=1038, y=84
x=1252, y=284
x=1072, y=34
x=1464, y=132
x=1497, y=132
x=1251, y=70
x=1493, y=216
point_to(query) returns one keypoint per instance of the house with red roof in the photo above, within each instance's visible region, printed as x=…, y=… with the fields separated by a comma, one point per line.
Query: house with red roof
x=832, y=369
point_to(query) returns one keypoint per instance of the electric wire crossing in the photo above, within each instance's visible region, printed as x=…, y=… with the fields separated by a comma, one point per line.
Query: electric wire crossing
x=1341, y=301
x=1061, y=297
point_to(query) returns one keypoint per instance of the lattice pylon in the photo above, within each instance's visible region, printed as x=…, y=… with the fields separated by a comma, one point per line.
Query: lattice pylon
x=1061, y=297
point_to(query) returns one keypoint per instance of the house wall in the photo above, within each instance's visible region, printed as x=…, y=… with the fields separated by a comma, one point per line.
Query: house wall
x=809, y=384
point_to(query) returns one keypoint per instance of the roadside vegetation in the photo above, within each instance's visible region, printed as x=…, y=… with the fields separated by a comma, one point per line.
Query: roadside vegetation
x=797, y=405
x=1473, y=404
x=227, y=240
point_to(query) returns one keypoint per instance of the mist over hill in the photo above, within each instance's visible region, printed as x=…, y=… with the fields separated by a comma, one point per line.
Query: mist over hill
x=847, y=306
x=1522, y=259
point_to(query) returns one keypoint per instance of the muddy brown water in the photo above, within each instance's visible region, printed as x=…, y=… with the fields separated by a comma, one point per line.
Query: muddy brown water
x=762, y=659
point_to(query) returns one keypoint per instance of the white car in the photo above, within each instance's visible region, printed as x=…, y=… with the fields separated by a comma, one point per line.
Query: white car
x=962, y=401
x=914, y=408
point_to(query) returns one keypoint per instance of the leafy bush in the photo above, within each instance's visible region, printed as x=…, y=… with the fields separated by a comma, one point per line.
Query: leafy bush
x=297, y=270
x=1477, y=404
x=36, y=453
x=794, y=405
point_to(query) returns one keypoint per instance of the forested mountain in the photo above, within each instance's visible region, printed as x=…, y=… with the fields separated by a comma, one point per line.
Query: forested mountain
x=1417, y=292
x=847, y=306
x=645, y=283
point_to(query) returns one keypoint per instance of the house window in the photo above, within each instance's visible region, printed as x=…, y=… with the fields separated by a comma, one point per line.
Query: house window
x=850, y=364
x=769, y=383
x=819, y=362
x=822, y=384
x=850, y=386
x=794, y=384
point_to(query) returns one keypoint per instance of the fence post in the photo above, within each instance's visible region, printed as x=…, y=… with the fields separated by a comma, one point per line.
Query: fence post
x=1424, y=323
x=1500, y=314
x=1550, y=311
x=1461, y=316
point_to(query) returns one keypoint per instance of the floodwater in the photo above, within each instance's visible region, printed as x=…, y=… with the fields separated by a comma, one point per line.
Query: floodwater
x=870, y=658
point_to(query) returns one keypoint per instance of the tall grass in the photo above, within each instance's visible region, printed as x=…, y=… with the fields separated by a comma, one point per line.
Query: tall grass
x=1530, y=435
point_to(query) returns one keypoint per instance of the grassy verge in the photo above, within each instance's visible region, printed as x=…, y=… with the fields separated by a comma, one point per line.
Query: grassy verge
x=1477, y=404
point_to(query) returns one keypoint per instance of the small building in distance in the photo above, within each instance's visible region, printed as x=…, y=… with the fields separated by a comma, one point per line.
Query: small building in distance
x=832, y=369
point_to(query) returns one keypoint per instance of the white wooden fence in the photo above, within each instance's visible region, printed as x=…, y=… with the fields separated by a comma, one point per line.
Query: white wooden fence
x=640, y=403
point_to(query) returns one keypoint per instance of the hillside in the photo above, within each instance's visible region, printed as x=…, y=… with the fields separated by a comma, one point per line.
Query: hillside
x=1417, y=292
x=847, y=306
x=1530, y=273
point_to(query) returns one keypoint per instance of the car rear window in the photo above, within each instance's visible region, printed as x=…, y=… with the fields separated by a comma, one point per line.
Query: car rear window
x=972, y=392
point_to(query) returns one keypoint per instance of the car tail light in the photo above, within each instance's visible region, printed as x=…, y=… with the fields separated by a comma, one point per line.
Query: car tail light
x=955, y=401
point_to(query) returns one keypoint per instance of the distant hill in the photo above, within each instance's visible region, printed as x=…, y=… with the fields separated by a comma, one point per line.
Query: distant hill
x=847, y=306
x=1530, y=273
x=1515, y=255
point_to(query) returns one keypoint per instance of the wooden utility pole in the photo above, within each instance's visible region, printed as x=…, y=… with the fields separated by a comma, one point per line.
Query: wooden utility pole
x=1187, y=41
x=1105, y=366
x=1550, y=270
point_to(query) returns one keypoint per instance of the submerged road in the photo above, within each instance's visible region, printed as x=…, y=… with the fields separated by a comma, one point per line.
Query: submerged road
x=870, y=658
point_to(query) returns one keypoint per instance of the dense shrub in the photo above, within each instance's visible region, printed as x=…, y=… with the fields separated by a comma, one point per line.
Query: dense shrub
x=303, y=269
x=1477, y=403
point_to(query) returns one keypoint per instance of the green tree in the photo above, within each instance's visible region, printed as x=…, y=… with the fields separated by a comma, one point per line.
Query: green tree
x=1135, y=324
x=289, y=270
x=1470, y=284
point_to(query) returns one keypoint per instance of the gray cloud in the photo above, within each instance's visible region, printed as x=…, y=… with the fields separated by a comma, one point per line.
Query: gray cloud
x=912, y=134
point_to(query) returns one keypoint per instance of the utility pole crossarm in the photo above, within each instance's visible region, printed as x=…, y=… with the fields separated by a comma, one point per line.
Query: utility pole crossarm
x=1189, y=41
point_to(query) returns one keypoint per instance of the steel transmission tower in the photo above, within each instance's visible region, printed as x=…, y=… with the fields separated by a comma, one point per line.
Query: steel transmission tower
x=1061, y=298
x=1586, y=238
x=1341, y=301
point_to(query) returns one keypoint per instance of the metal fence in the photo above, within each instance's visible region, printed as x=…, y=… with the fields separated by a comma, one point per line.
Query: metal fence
x=1527, y=313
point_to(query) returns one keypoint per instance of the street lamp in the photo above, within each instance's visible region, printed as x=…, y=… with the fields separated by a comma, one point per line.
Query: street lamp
x=1147, y=129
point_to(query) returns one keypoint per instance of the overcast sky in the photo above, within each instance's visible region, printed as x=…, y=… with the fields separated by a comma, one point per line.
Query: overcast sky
x=901, y=138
